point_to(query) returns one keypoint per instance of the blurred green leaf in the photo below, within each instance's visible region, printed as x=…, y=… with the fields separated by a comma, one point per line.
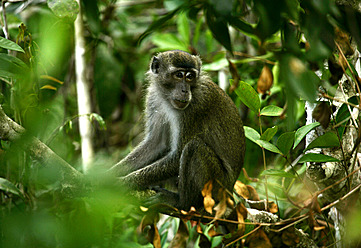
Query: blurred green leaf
x=169, y=42
x=327, y=140
x=251, y=134
x=10, y=45
x=285, y=142
x=98, y=119
x=219, y=29
x=183, y=27
x=271, y=110
x=91, y=10
x=303, y=131
x=268, y=146
x=277, y=173
x=8, y=186
x=216, y=65
x=12, y=67
x=299, y=80
x=243, y=26
x=248, y=96
x=316, y=157
x=269, y=133
x=67, y=9
x=158, y=24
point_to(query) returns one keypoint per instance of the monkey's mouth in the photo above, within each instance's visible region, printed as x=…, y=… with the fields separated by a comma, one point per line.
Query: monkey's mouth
x=180, y=104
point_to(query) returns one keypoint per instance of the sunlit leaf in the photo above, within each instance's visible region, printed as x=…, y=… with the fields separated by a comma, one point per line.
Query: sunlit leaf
x=318, y=158
x=208, y=201
x=9, y=187
x=251, y=134
x=277, y=173
x=271, y=110
x=169, y=42
x=248, y=96
x=268, y=146
x=183, y=27
x=303, y=131
x=327, y=140
x=216, y=65
x=10, y=45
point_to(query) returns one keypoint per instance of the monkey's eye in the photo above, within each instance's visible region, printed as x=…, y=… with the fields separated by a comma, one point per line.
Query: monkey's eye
x=179, y=74
x=190, y=76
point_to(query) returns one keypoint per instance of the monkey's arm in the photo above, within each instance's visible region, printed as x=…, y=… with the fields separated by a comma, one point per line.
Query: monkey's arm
x=152, y=148
x=164, y=168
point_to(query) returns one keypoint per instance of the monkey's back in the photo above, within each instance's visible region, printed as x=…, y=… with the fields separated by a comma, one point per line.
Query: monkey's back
x=218, y=124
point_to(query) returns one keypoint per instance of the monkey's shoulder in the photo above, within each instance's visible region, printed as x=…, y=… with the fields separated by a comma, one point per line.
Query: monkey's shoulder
x=215, y=95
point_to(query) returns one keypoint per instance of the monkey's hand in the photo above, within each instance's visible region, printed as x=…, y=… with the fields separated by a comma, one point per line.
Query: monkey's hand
x=162, y=196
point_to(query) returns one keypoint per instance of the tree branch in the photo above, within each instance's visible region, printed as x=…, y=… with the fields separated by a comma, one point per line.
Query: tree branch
x=69, y=177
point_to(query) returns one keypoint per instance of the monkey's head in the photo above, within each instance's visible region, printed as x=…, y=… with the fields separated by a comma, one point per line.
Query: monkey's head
x=176, y=74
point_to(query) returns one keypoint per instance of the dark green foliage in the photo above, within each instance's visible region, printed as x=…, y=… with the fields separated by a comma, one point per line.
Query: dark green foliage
x=293, y=38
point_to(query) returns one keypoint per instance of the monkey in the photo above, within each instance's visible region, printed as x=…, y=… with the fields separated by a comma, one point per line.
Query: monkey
x=193, y=134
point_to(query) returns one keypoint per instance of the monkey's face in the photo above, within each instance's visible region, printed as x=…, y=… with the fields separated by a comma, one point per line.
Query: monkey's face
x=176, y=73
x=180, y=87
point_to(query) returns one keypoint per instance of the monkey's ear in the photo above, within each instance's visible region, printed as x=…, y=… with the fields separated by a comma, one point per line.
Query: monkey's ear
x=155, y=65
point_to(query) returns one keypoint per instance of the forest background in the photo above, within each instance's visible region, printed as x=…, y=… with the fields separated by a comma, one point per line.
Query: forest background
x=292, y=68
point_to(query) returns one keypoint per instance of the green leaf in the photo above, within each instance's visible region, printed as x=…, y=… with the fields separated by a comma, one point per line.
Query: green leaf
x=219, y=29
x=183, y=27
x=268, y=146
x=169, y=42
x=327, y=140
x=299, y=80
x=271, y=110
x=269, y=133
x=67, y=9
x=8, y=186
x=216, y=65
x=10, y=45
x=99, y=119
x=243, y=26
x=316, y=157
x=158, y=24
x=277, y=173
x=302, y=131
x=285, y=142
x=11, y=66
x=248, y=96
x=251, y=134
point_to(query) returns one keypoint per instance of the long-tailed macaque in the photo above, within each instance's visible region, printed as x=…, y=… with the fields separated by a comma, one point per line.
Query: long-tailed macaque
x=193, y=134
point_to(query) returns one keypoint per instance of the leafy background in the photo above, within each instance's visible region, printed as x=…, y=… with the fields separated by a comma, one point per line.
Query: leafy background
x=269, y=51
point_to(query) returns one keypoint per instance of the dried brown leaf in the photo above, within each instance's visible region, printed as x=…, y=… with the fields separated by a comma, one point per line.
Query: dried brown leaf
x=222, y=205
x=208, y=201
x=322, y=114
x=265, y=80
x=149, y=229
x=241, y=189
x=241, y=215
x=258, y=239
x=253, y=195
x=272, y=207
x=289, y=237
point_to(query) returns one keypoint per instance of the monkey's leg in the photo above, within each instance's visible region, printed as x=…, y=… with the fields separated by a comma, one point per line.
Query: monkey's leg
x=198, y=165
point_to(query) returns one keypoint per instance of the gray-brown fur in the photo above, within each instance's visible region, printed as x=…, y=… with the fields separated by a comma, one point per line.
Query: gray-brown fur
x=194, y=133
